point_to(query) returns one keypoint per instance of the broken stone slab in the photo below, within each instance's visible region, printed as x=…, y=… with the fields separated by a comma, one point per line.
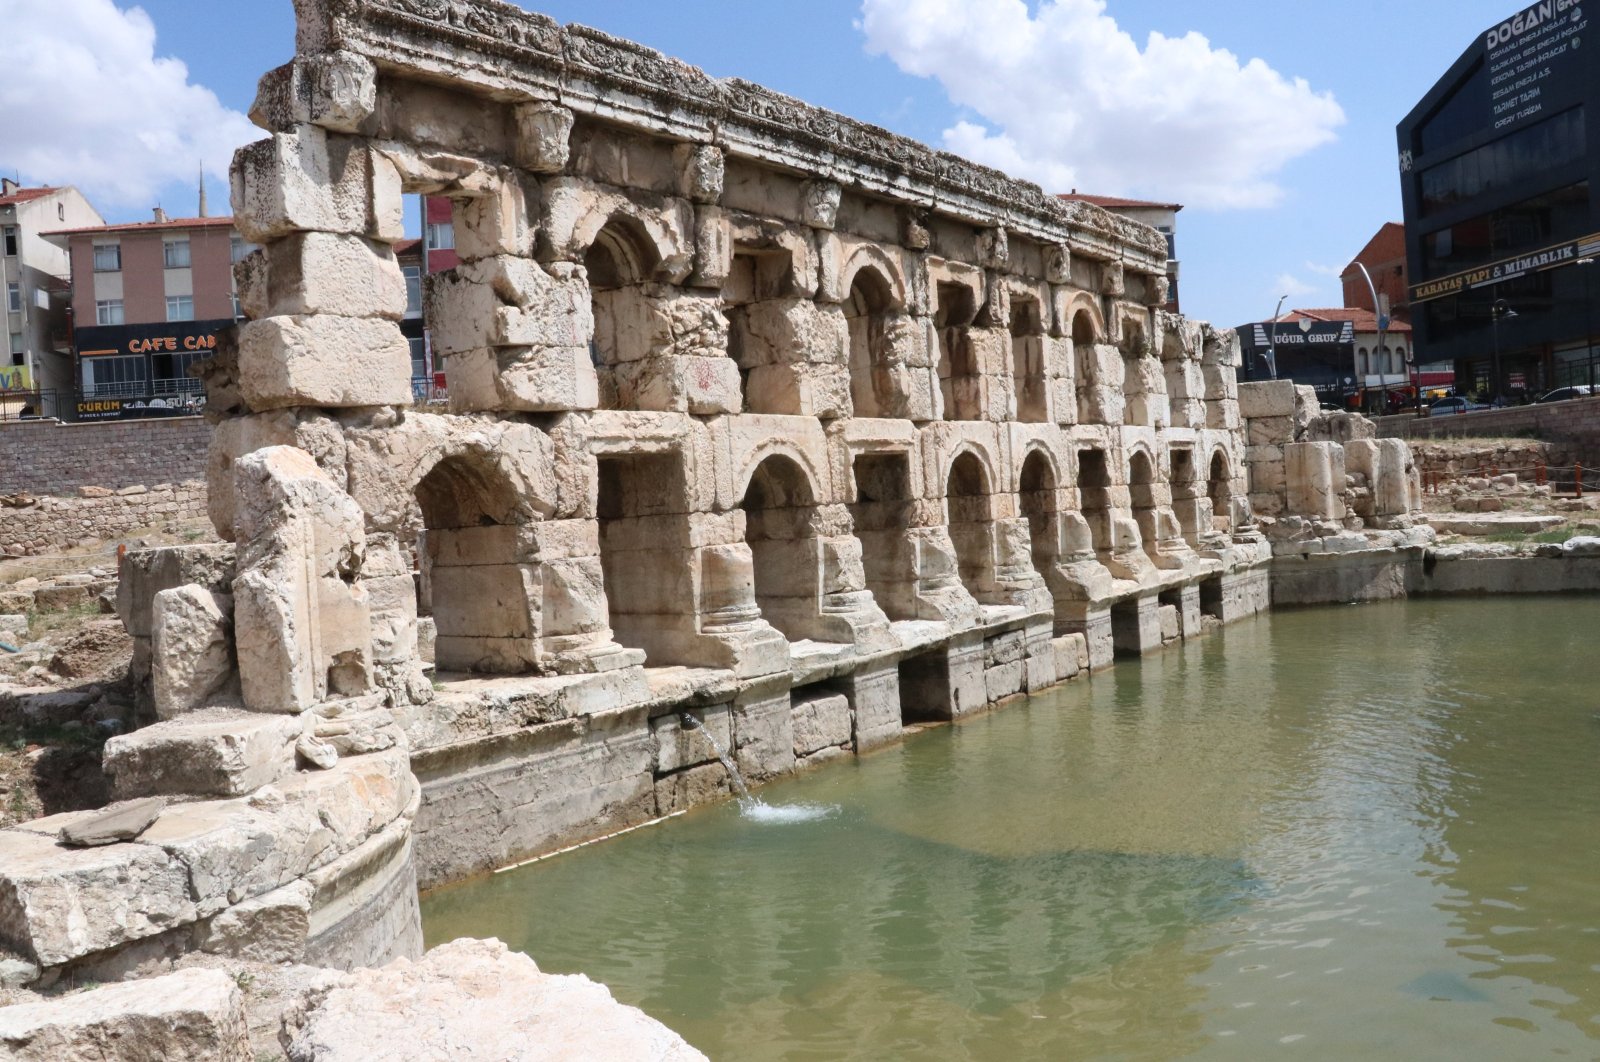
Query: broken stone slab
x=123, y=822
x=316, y=752
x=269, y=928
x=322, y=272
x=481, y=993
x=59, y=904
x=215, y=752
x=192, y=648
x=146, y=573
x=334, y=90
x=194, y=1015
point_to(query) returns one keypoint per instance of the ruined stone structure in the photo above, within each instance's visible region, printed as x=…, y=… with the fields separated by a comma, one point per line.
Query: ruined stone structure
x=758, y=414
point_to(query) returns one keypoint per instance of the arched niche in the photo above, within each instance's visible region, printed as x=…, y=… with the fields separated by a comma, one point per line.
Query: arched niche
x=970, y=518
x=780, y=507
x=1085, y=334
x=867, y=309
x=960, y=376
x=1040, y=496
x=1030, y=376
x=620, y=263
x=479, y=577
x=1219, y=488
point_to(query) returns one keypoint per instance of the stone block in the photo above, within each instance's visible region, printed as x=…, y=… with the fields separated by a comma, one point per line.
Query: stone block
x=323, y=361
x=498, y=223
x=763, y=732
x=875, y=703
x=334, y=90
x=679, y=746
x=60, y=904
x=523, y=379
x=483, y=994
x=271, y=928
x=820, y=722
x=1266, y=398
x=215, y=752
x=543, y=133
x=193, y=1015
x=311, y=180
x=118, y=823
x=507, y=301
x=322, y=273
x=192, y=648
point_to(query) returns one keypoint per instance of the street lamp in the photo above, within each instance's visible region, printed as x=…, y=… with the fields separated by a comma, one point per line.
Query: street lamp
x=1272, y=341
x=1383, y=326
x=1501, y=308
x=1588, y=319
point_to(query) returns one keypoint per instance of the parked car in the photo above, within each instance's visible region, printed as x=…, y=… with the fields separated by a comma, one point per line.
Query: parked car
x=1561, y=394
x=1454, y=405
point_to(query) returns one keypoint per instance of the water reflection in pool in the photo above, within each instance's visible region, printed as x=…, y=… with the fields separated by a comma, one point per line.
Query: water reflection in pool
x=1354, y=832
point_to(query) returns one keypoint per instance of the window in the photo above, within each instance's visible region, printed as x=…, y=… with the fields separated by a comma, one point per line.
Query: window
x=180, y=307
x=1506, y=163
x=238, y=311
x=1506, y=231
x=419, y=358
x=176, y=253
x=107, y=257
x=413, y=275
x=16, y=343
x=441, y=235
x=110, y=377
x=11, y=241
x=238, y=249
x=108, y=312
x=170, y=373
x=14, y=298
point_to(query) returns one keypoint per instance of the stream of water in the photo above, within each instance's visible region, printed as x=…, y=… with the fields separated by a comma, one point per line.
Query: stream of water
x=1364, y=832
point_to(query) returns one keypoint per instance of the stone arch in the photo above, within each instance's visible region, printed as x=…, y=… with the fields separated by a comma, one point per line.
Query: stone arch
x=960, y=375
x=1188, y=495
x=1219, y=488
x=780, y=511
x=767, y=450
x=969, y=515
x=658, y=246
x=871, y=257
x=1094, y=496
x=479, y=573
x=621, y=261
x=1085, y=329
x=1038, y=487
x=869, y=307
x=1029, y=371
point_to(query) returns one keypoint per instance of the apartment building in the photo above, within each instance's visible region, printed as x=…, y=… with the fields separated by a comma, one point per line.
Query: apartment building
x=34, y=279
x=1163, y=217
x=148, y=299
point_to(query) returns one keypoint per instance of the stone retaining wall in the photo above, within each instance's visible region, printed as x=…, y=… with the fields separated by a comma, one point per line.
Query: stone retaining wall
x=47, y=525
x=1575, y=423
x=48, y=457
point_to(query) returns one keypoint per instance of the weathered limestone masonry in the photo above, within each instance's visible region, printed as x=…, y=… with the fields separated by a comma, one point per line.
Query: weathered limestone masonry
x=1341, y=507
x=48, y=457
x=759, y=415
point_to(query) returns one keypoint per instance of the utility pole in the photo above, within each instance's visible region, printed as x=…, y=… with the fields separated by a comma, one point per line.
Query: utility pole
x=1383, y=327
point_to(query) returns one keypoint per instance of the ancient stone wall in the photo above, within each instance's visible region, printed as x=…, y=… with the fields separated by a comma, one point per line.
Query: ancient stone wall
x=1574, y=425
x=48, y=457
x=32, y=526
x=759, y=416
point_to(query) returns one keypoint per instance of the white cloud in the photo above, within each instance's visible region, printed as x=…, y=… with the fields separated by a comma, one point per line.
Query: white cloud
x=1334, y=271
x=1292, y=286
x=85, y=100
x=1072, y=101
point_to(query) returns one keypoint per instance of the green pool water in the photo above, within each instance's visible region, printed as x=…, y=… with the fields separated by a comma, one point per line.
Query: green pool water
x=1349, y=833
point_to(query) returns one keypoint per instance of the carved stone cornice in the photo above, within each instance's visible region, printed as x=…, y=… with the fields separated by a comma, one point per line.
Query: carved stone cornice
x=512, y=54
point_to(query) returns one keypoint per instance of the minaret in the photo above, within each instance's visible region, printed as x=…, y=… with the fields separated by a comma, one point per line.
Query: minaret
x=203, y=190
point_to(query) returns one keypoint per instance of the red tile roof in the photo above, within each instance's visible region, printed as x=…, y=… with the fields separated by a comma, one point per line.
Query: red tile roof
x=148, y=226
x=25, y=195
x=1112, y=202
x=410, y=245
x=1364, y=320
x=1388, y=245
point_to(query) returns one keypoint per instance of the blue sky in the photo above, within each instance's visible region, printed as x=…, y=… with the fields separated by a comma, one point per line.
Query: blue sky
x=1273, y=123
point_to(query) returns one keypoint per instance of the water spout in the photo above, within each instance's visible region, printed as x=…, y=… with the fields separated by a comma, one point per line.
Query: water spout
x=745, y=799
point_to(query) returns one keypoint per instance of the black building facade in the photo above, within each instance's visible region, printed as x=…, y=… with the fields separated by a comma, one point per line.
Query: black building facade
x=1498, y=175
x=1319, y=354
